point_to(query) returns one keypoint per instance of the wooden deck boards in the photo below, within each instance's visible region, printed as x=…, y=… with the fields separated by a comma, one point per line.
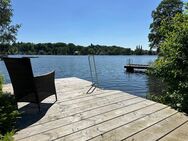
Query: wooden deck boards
x=104, y=115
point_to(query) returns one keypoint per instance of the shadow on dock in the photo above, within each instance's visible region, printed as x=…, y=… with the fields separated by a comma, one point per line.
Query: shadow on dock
x=30, y=114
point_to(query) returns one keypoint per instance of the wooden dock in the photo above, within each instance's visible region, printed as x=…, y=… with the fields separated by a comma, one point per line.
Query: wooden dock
x=131, y=67
x=104, y=115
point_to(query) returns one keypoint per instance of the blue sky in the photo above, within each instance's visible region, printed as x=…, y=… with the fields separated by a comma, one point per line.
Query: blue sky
x=82, y=22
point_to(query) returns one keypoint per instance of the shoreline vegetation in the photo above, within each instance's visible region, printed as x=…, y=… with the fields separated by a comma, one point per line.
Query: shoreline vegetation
x=169, y=34
x=61, y=48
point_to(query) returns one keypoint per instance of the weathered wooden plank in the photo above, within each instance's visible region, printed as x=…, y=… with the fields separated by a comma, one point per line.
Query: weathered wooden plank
x=132, y=127
x=90, y=101
x=82, y=94
x=92, y=97
x=159, y=129
x=179, y=134
x=73, y=119
x=108, y=125
x=71, y=81
x=54, y=113
x=64, y=111
x=76, y=94
x=113, y=117
x=85, y=106
x=117, y=133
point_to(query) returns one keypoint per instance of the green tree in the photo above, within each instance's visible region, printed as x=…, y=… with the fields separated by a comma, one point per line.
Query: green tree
x=7, y=31
x=165, y=12
x=139, y=50
x=172, y=65
x=8, y=109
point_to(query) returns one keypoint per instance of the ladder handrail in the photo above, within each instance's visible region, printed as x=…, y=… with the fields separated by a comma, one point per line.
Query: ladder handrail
x=93, y=72
x=90, y=69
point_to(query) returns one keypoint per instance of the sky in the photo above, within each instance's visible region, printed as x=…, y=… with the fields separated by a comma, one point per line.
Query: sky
x=82, y=22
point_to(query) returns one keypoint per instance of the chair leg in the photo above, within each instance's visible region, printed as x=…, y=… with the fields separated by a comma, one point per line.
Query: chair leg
x=56, y=96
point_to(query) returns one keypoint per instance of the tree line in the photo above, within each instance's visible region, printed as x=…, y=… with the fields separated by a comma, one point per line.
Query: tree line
x=69, y=49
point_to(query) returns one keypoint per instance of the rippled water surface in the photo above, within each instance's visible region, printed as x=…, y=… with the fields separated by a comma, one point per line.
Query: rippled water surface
x=110, y=70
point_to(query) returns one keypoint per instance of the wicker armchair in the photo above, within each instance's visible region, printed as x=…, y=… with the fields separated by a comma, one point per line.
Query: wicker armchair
x=28, y=88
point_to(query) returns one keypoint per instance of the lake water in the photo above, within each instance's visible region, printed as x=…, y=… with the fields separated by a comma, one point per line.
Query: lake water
x=110, y=70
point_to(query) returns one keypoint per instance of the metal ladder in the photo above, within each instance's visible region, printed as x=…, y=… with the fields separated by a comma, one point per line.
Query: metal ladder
x=93, y=73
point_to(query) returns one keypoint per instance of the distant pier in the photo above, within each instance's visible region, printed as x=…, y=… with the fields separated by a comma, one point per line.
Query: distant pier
x=131, y=67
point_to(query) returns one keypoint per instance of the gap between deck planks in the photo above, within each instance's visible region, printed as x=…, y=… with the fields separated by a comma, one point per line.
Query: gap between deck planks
x=105, y=115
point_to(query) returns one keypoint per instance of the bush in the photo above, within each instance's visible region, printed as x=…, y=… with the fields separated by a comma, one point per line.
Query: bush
x=7, y=137
x=8, y=113
x=172, y=64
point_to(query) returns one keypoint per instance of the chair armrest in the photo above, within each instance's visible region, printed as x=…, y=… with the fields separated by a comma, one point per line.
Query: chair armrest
x=45, y=83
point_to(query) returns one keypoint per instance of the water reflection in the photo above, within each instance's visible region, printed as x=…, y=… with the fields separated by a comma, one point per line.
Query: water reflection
x=156, y=86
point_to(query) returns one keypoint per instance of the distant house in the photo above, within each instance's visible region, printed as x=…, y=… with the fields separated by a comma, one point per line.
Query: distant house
x=76, y=53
